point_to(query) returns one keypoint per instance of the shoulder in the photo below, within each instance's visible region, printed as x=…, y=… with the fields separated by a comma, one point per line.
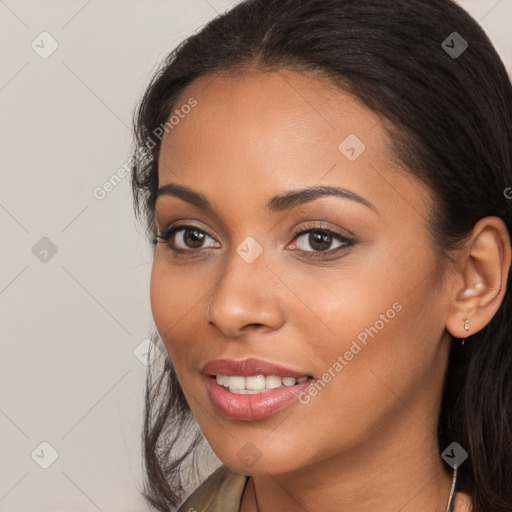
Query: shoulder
x=221, y=491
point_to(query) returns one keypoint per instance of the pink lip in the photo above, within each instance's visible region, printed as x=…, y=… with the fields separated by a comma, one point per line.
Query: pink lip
x=255, y=406
x=252, y=407
x=248, y=367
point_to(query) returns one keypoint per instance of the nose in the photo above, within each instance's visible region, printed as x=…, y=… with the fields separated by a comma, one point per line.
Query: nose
x=246, y=297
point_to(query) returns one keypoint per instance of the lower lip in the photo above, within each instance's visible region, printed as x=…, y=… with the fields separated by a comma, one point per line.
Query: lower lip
x=255, y=406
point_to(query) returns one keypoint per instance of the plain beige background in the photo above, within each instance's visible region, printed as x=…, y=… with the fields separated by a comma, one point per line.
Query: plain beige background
x=74, y=273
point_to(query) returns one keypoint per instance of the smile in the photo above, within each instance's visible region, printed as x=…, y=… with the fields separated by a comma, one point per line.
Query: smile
x=241, y=385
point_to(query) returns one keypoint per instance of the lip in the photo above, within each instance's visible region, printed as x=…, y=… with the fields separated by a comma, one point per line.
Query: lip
x=252, y=407
x=247, y=368
x=255, y=406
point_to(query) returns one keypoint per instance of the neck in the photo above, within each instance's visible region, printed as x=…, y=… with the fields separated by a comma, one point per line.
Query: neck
x=406, y=475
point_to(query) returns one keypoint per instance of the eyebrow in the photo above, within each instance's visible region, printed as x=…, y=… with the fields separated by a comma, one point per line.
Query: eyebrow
x=278, y=203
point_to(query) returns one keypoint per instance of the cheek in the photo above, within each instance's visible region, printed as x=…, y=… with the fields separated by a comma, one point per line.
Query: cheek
x=374, y=292
x=377, y=319
x=387, y=350
x=179, y=297
x=170, y=303
x=350, y=303
x=162, y=298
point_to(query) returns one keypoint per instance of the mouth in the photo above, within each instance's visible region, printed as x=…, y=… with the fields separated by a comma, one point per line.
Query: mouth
x=235, y=400
x=251, y=385
x=252, y=389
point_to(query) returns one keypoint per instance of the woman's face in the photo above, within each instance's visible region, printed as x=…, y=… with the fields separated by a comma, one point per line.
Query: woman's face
x=343, y=289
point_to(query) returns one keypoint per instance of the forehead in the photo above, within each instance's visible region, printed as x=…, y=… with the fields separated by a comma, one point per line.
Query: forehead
x=275, y=112
x=257, y=133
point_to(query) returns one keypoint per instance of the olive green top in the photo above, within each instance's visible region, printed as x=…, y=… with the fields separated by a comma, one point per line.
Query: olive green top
x=221, y=492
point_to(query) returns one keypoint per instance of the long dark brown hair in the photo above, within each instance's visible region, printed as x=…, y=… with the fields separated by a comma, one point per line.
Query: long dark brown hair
x=450, y=119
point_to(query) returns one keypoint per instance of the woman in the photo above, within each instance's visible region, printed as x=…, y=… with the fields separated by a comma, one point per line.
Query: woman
x=327, y=184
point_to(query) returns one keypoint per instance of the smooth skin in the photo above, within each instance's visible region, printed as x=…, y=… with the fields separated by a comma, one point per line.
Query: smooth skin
x=367, y=440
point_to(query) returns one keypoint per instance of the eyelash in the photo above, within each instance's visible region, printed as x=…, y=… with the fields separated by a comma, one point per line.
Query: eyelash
x=165, y=236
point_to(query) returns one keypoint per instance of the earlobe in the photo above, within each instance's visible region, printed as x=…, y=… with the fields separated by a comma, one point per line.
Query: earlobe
x=482, y=273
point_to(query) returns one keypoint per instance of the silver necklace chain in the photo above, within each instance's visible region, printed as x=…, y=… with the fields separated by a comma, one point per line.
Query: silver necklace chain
x=449, y=507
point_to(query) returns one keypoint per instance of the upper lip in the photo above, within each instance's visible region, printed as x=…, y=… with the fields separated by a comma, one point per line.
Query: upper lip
x=247, y=368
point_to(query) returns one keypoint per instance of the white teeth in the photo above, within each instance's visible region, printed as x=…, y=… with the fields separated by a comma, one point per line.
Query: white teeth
x=235, y=382
x=256, y=383
x=272, y=382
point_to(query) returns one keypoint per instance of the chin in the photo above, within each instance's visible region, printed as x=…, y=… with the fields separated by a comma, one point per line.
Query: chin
x=251, y=461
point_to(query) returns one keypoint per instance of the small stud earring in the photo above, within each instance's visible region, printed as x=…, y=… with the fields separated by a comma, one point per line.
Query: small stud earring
x=466, y=327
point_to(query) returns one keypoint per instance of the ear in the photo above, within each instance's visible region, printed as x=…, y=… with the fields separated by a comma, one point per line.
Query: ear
x=480, y=281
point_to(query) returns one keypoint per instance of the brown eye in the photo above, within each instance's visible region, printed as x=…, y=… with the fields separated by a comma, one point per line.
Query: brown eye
x=191, y=238
x=319, y=240
x=184, y=238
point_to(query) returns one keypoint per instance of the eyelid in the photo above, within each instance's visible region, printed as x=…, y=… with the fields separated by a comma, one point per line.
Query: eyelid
x=346, y=242
x=185, y=223
x=317, y=225
x=322, y=226
x=173, y=228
